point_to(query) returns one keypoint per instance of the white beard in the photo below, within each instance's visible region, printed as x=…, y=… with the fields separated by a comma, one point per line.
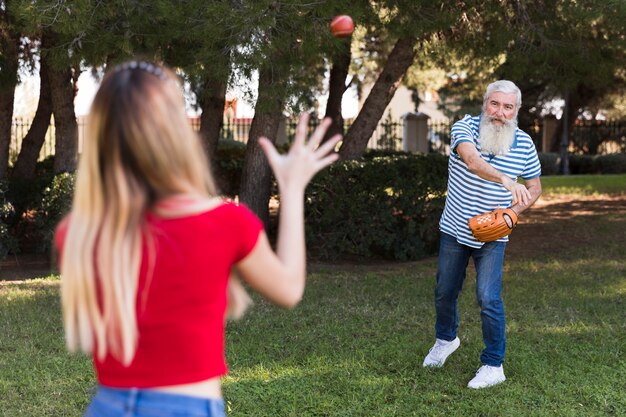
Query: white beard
x=496, y=139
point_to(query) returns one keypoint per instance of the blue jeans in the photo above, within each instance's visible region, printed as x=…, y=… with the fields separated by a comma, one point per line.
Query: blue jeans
x=133, y=402
x=488, y=260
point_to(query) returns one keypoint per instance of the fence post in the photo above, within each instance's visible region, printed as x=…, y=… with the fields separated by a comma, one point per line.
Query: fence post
x=550, y=123
x=415, y=132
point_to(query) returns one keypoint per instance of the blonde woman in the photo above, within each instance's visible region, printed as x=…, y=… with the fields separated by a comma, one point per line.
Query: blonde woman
x=148, y=249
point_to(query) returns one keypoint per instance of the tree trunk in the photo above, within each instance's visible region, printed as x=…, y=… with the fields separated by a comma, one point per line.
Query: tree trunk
x=336, y=89
x=31, y=145
x=66, y=128
x=212, y=103
x=573, y=102
x=256, y=178
x=8, y=81
x=564, y=166
x=400, y=59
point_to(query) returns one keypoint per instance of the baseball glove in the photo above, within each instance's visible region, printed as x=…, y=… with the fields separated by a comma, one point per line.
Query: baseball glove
x=487, y=227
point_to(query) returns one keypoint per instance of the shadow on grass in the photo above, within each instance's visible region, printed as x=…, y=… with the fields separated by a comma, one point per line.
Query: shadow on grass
x=570, y=230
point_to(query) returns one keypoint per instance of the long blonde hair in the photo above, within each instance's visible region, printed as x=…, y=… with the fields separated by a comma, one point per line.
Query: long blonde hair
x=140, y=148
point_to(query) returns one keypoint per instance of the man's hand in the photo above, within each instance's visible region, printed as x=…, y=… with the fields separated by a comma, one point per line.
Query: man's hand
x=519, y=191
x=534, y=188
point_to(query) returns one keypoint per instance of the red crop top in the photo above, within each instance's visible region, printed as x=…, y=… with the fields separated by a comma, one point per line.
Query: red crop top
x=181, y=323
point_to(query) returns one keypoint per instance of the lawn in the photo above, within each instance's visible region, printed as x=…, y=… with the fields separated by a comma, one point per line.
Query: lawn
x=355, y=345
x=583, y=185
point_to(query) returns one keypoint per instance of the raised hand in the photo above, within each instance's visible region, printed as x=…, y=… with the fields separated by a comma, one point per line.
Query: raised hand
x=294, y=170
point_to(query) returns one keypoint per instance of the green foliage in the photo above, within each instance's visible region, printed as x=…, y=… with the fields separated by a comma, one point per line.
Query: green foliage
x=614, y=163
x=547, y=48
x=56, y=203
x=8, y=243
x=549, y=163
x=578, y=164
x=26, y=194
x=377, y=153
x=229, y=166
x=386, y=207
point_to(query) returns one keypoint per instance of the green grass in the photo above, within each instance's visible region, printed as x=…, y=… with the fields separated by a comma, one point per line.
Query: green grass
x=584, y=184
x=355, y=345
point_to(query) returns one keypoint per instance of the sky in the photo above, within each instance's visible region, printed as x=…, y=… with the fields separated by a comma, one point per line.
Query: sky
x=27, y=94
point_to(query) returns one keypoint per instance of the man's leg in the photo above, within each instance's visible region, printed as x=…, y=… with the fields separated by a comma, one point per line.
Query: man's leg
x=489, y=260
x=453, y=260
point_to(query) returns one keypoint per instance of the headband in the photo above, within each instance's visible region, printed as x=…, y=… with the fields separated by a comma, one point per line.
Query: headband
x=153, y=69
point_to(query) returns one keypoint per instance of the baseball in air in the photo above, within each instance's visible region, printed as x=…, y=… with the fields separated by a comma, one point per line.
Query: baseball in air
x=341, y=26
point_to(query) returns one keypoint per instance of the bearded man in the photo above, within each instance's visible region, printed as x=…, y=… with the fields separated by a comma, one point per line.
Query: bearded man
x=488, y=153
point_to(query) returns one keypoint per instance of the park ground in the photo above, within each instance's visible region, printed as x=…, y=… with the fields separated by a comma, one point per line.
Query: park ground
x=355, y=344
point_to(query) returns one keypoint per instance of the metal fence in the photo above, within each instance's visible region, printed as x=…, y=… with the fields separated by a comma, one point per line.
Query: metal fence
x=387, y=136
x=19, y=130
x=594, y=137
x=587, y=137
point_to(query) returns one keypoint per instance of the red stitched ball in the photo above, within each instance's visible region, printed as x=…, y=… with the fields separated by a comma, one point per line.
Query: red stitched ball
x=342, y=26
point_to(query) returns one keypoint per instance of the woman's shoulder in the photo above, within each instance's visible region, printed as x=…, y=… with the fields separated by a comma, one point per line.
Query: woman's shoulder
x=236, y=211
x=221, y=208
x=60, y=232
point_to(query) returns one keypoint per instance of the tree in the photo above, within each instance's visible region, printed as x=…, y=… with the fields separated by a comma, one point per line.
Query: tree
x=255, y=189
x=566, y=50
x=286, y=50
x=400, y=59
x=336, y=88
x=9, y=53
x=62, y=93
x=194, y=37
x=26, y=162
x=575, y=49
x=62, y=72
x=415, y=26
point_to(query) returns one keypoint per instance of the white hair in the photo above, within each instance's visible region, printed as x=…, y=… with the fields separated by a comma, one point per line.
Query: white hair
x=506, y=87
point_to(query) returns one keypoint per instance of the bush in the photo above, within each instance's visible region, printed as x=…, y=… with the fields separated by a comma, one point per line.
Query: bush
x=55, y=203
x=227, y=172
x=549, y=163
x=8, y=243
x=377, y=153
x=582, y=164
x=614, y=163
x=386, y=207
x=26, y=194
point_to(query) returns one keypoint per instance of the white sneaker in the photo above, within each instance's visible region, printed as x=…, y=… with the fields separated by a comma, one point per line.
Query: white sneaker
x=487, y=376
x=440, y=351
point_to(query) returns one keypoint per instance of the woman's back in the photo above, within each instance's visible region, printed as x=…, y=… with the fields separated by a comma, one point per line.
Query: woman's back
x=181, y=297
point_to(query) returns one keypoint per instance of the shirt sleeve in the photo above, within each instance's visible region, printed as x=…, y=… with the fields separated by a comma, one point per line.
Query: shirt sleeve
x=248, y=228
x=59, y=236
x=461, y=132
x=533, y=166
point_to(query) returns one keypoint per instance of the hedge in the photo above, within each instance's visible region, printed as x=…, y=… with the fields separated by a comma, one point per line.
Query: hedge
x=384, y=207
x=614, y=163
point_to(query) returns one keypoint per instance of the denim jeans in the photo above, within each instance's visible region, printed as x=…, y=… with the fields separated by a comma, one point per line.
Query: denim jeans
x=488, y=260
x=133, y=402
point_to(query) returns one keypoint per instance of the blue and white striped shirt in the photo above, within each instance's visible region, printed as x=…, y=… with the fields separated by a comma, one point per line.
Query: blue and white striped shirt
x=468, y=194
